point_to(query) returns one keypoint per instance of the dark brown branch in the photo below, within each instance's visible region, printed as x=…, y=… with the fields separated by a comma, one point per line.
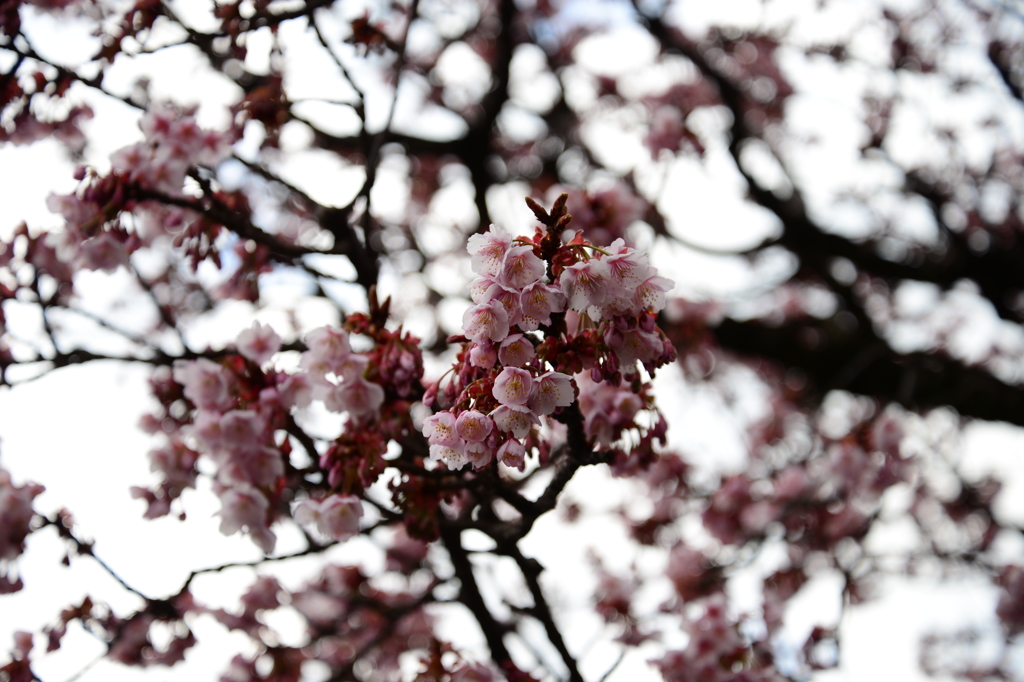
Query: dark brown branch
x=469, y=594
x=531, y=570
x=915, y=380
x=918, y=381
x=84, y=548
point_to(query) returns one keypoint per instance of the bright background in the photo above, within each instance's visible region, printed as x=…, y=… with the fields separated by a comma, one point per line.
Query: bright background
x=74, y=431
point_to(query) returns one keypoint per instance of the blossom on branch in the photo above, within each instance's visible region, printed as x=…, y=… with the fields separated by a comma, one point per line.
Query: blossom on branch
x=335, y=517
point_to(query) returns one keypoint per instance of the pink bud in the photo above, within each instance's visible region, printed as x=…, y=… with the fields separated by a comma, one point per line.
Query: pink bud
x=430, y=395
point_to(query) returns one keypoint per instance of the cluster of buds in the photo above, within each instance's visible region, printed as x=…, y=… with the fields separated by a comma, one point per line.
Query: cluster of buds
x=542, y=312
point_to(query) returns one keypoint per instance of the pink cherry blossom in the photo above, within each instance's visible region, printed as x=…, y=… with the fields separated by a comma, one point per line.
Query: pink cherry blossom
x=165, y=172
x=488, y=250
x=483, y=354
x=241, y=429
x=512, y=386
x=515, y=418
x=606, y=409
x=650, y=295
x=328, y=346
x=207, y=430
x=453, y=457
x=440, y=429
x=205, y=383
x=245, y=507
x=156, y=123
x=176, y=463
x=102, y=252
x=551, y=390
x=479, y=288
x=261, y=466
x=628, y=268
x=186, y=134
x=15, y=516
x=335, y=517
x=213, y=148
x=478, y=454
x=585, y=284
x=512, y=454
x=474, y=426
x=516, y=351
x=521, y=267
x=631, y=345
x=537, y=302
x=262, y=595
x=351, y=367
x=486, y=321
x=360, y=398
x=295, y=391
x=130, y=160
x=509, y=300
x=258, y=343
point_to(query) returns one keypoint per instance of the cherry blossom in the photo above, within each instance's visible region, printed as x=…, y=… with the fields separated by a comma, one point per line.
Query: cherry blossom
x=488, y=250
x=537, y=303
x=335, y=517
x=258, y=343
x=243, y=507
x=440, y=429
x=483, y=354
x=549, y=387
x=454, y=457
x=515, y=418
x=486, y=321
x=512, y=454
x=521, y=268
x=551, y=390
x=205, y=383
x=513, y=386
x=15, y=516
x=473, y=426
x=585, y=284
x=516, y=350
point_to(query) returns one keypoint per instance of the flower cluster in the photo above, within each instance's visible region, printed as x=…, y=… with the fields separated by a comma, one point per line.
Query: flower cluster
x=821, y=502
x=241, y=406
x=336, y=374
x=519, y=356
x=335, y=517
x=15, y=517
x=605, y=213
x=716, y=651
x=174, y=143
x=93, y=238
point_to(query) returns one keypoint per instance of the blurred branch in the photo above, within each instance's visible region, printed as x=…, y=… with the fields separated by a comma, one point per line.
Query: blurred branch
x=84, y=548
x=469, y=595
